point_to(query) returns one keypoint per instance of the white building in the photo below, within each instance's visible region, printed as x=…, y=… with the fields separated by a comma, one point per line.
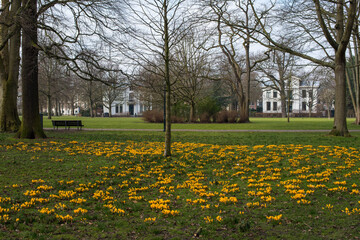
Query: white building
x=303, y=96
x=129, y=105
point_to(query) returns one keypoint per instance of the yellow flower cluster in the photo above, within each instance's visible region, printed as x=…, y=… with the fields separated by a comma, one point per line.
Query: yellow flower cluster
x=208, y=219
x=150, y=219
x=78, y=200
x=228, y=200
x=66, y=218
x=47, y=211
x=4, y=218
x=80, y=211
x=159, y=204
x=64, y=194
x=114, y=209
x=274, y=218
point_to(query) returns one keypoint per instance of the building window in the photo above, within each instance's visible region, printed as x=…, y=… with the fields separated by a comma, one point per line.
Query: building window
x=304, y=106
x=268, y=106
x=303, y=93
x=274, y=106
x=117, y=109
x=310, y=94
x=131, y=97
x=275, y=94
x=268, y=94
x=121, y=108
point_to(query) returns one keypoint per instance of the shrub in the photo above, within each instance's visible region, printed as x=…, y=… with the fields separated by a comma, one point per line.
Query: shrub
x=222, y=117
x=205, y=118
x=208, y=108
x=232, y=116
x=153, y=116
x=176, y=119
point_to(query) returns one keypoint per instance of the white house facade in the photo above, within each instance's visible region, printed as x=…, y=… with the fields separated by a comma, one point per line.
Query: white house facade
x=303, y=98
x=129, y=105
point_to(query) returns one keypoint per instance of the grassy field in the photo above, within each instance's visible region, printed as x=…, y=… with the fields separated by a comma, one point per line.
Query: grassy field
x=256, y=123
x=117, y=185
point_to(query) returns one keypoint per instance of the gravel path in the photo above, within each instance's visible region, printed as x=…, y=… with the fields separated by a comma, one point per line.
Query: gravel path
x=197, y=130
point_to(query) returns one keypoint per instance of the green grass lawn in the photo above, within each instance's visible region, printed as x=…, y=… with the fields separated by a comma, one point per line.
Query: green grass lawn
x=116, y=185
x=256, y=124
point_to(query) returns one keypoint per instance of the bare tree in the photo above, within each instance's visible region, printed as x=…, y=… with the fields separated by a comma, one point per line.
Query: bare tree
x=113, y=91
x=192, y=67
x=276, y=73
x=163, y=25
x=330, y=29
x=230, y=36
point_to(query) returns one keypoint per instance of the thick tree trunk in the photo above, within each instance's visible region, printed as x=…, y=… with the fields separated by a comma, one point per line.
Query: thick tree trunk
x=244, y=110
x=31, y=125
x=340, y=125
x=9, y=118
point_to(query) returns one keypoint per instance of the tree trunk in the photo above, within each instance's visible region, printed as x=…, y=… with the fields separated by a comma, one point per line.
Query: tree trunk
x=56, y=107
x=72, y=108
x=357, y=115
x=243, y=111
x=110, y=111
x=9, y=118
x=340, y=125
x=283, y=106
x=10, y=121
x=91, y=110
x=245, y=105
x=49, y=106
x=31, y=125
x=167, y=150
x=192, y=112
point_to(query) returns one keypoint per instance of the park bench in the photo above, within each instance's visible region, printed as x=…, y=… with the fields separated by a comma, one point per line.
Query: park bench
x=67, y=124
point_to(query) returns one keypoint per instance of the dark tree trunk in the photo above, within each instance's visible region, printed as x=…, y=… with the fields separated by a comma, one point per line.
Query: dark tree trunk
x=110, y=111
x=283, y=105
x=167, y=150
x=31, y=125
x=244, y=109
x=192, y=112
x=49, y=106
x=9, y=118
x=56, y=108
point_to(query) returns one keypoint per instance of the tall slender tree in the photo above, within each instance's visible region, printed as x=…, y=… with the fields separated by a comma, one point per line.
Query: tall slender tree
x=163, y=26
